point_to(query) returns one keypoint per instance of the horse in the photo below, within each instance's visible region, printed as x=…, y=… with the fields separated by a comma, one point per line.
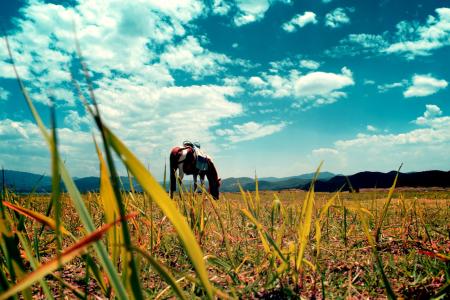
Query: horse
x=184, y=159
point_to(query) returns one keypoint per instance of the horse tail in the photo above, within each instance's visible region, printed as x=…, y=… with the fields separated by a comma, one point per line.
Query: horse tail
x=173, y=166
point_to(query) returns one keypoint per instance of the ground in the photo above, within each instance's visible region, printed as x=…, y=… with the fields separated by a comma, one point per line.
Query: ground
x=241, y=252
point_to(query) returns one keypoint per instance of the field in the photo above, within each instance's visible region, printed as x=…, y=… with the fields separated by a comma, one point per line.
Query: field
x=251, y=244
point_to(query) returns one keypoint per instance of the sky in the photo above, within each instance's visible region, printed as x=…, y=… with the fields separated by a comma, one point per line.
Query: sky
x=272, y=86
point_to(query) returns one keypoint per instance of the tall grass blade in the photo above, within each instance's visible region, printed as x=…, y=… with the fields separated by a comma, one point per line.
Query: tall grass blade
x=49, y=222
x=390, y=293
x=386, y=207
x=72, y=190
x=131, y=279
x=110, y=208
x=304, y=227
x=156, y=192
x=163, y=272
x=66, y=256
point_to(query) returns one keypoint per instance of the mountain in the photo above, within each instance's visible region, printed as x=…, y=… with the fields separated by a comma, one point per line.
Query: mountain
x=271, y=183
x=363, y=180
x=24, y=182
x=308, y=176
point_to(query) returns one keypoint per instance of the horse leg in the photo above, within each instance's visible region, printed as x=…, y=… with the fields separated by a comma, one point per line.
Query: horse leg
x=202, y=180
x=195, y=182
x=180, y=174
x=173, y=169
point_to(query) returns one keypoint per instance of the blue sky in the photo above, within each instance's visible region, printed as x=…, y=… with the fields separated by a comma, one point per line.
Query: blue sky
x=271, y=86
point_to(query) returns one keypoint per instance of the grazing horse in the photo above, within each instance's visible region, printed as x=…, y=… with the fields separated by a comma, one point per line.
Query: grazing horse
x=184, y=159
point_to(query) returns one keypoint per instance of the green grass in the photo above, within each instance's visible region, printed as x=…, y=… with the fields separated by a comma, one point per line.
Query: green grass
x=245, y=269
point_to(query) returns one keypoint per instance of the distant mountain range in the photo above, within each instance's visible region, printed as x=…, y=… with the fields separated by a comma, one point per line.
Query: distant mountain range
x=24, y=182
x=271, y=183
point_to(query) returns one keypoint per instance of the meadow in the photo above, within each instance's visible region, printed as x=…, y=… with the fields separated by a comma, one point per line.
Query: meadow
x=291, y=244
x=250, y=243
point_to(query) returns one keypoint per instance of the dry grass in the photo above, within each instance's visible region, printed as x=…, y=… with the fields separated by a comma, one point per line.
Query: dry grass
x=415, y=231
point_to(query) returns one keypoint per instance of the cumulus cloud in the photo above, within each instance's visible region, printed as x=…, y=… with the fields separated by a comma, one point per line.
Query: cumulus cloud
x=431, y=113
x=75, y=121
x=371, y=128
x=245, y=11
x=250, y=11
x=134, y=86
x=413, y=40
x=221, y=7
x=249, y=131
x=424, y=85
x=423, y=147
x=338, y=17
x=322, y=83
x=309, y=64
x=256, y=81
x=299, y=21
x=191, y=57
x=309, y=90
x=43, y=43
x=359, y=44
x=410, y=39
x=22, y=142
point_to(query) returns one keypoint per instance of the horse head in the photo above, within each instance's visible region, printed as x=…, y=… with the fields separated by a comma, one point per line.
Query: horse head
x=213, y=180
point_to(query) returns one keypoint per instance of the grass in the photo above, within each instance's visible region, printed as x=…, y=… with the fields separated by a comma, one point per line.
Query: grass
x=289, y=244
x=242, y=267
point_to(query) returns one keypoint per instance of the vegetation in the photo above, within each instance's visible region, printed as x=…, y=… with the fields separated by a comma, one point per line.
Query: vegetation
x=114, y=244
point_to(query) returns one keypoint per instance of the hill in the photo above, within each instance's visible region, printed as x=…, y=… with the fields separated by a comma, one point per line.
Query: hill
x=25, y=182
x=363, y=180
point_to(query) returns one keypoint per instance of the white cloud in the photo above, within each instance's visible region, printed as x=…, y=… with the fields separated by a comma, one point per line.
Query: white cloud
x=371, y=128
x=191, y=57
x=413, y=40
x=256, y=81
x=431, y=113
x=308, y=17
x=410, y=40
x=424, y=85
x=43, y=44
x=383, y=88
x=337, y=17
x=4, y=94
x=423, y=148
x=309, y=90
x=249, y=131
x=221, y=7
x=309, y=64
x=325, y=151
x=359, y=44
x=75, y=121
x=369, y=82
x=326, y=1
x=322, y=83
x=367, y=40
x=121, y=42
x=250, y=11
x=22, y=142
